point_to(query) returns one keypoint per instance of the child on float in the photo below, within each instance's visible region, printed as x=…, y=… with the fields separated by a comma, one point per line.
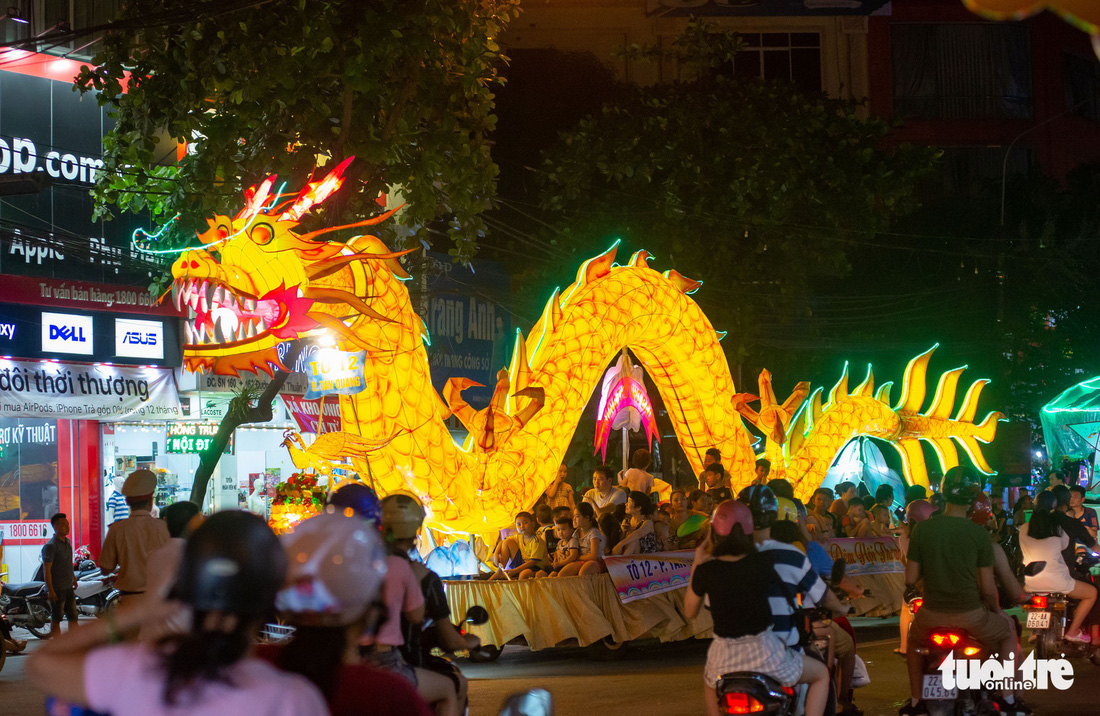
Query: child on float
x=568, y=548
x=590, y=542
x=521, y=555
x=734, y=577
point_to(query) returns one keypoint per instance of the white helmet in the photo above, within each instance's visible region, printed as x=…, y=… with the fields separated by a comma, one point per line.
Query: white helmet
x=336, y=567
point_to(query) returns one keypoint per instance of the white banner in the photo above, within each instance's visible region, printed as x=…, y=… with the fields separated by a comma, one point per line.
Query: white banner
x=30, y=389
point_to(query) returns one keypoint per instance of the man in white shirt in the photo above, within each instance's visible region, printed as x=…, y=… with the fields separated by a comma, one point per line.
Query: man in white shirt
x=603, y=496
x=129, y=541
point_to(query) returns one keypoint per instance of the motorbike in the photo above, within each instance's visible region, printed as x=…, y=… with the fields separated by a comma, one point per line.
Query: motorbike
x=1049, y=613
x=744, y=692
x=433, y=655
x=95, y=592
x=27, y=605
x=950, y=702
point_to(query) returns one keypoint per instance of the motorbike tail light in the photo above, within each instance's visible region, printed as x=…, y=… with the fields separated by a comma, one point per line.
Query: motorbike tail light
x=970, y=651
x=739, y=703
x=945, y=639
x=917, y=603
x=1039, y=602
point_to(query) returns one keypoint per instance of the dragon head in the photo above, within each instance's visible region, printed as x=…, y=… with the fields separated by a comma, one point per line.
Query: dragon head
x=256, y=282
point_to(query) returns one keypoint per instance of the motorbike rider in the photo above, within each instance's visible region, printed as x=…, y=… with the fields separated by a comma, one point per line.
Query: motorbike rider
x=1042, y=540
x=402, y=517
x=336, y=569
x=916, y=511
x=358, y=499
x=796, y=576
x=954, y=558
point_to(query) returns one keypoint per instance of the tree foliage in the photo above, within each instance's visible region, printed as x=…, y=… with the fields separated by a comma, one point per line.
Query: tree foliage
x=755, y=188
x=404, y=86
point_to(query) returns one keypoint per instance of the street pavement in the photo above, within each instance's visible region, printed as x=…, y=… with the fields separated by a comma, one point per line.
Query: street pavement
x=660, y=679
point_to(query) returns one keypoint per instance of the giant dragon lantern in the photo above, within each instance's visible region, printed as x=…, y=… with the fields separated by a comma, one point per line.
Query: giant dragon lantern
x=258, y=279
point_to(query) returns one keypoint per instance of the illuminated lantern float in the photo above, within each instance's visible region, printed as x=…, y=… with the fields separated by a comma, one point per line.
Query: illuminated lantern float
x=257, y=280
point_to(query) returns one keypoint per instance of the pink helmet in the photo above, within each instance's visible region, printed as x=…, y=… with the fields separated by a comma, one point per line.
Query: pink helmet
x=337, y=563
x=918, y=511
x=730, y=513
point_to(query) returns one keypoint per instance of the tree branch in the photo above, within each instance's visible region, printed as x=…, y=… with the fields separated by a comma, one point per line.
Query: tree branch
x=262, y=412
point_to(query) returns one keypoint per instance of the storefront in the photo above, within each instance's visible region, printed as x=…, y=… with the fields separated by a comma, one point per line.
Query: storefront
x=67, y=374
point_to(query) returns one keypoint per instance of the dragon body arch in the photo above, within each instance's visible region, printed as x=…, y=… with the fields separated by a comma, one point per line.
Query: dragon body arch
x=257, y=281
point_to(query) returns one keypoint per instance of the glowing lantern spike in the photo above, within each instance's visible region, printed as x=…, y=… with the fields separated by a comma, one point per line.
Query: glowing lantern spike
x=255, y=197
x=316, y=192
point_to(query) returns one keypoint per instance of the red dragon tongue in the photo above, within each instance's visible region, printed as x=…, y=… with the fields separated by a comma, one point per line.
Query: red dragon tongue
x=295, y=321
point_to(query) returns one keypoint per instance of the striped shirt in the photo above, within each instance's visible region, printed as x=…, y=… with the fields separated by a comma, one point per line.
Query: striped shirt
x=117, y=503
x=797, y=577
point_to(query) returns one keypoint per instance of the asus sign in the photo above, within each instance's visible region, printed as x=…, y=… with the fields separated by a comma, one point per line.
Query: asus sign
x=139, y=339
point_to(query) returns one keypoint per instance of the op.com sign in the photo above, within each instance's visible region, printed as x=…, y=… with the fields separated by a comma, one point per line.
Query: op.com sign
x=20, y=156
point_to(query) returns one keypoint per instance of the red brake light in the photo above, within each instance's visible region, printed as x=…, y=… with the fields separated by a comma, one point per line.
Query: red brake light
x=738, y=703
x=1039, y=602
x=917, y=603
x=945, y=639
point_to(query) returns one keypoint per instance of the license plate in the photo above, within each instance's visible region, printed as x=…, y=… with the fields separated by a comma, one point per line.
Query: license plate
x=1038, y=620
x=932, y=689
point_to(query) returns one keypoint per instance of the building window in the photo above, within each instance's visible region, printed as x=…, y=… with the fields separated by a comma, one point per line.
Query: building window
x=974, y=171
x=961, y=71
x=788, y=56
x=1082, y=77
x=43, y=16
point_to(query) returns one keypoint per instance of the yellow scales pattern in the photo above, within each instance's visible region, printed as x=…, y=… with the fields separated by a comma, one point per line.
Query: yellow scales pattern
x=395, y=433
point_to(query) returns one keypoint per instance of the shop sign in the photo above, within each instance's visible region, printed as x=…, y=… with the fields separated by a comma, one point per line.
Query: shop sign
x=67, y=333
x=333, y=372
x=210, y=383
x=194, y=438
x=40, y=389
x=82, y=296
x=307, y=413
x=139, y=339
x=30, y=532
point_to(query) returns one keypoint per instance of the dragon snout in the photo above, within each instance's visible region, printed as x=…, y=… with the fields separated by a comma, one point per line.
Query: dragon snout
x=196, y=264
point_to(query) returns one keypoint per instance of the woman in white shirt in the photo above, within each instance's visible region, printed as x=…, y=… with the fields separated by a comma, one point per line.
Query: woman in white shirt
x=1042, y=540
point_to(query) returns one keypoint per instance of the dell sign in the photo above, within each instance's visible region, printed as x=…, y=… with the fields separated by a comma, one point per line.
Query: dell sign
x=67, y=333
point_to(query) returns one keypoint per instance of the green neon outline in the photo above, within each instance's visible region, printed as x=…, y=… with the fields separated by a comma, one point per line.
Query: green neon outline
x=583, y=269
x=833, y=390
x=908, y=373
x=939, y=388
x=545, y=325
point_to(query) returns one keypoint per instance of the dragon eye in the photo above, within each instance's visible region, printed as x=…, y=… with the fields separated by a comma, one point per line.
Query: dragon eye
x=262, y=233
x=223, y=232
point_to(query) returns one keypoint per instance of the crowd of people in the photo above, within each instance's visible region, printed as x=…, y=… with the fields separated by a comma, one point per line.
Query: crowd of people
x=200, y=590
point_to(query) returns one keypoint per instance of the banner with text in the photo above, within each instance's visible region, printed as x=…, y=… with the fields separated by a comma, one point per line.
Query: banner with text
x=307, y=413
x=869, y=555
x=638, y=576
x=66, y=391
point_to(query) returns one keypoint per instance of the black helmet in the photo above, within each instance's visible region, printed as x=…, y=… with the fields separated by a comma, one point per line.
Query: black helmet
x=1045, y=501
x=762, y=503
x=959, y=487
x=232, y=563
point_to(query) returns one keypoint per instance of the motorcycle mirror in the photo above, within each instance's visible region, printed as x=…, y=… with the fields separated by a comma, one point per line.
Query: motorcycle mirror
x=1033, y=568
x=535, y=702
x=839, y=567
x=477, y=614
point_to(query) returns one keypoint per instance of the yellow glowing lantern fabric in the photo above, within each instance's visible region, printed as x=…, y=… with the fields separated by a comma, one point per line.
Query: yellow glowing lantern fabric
x=1085, y=14
x=257, y=281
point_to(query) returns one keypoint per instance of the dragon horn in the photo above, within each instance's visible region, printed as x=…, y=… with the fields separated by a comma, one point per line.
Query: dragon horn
x=314, y=193
x=640, y=258
x=840, y=390
x=883, y=394
x=867, y=387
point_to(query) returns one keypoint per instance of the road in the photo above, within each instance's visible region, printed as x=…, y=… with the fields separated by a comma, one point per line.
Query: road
x=662, y=679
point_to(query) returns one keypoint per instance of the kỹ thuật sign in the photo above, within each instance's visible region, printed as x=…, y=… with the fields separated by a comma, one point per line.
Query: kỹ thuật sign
x=43, y=389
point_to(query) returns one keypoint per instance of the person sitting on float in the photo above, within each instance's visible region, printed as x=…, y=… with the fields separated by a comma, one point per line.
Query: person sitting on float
x=590, y=542
x=642, y=537
x=603, y=496
x=519, y=557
